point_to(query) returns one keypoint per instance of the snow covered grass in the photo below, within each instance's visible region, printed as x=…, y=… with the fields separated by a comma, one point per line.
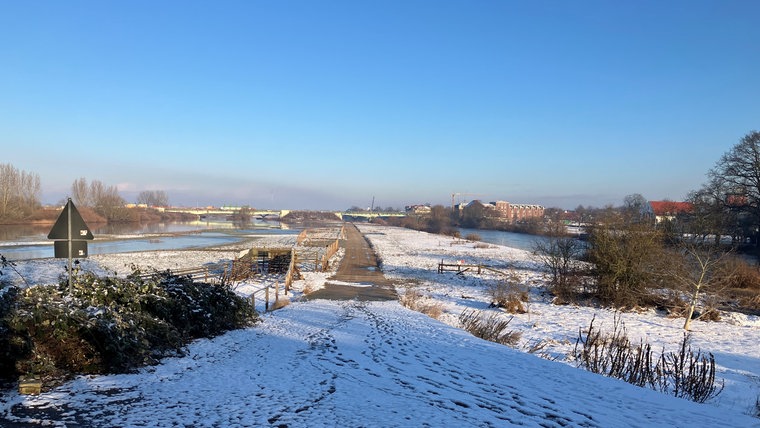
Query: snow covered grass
x=411, y=258
x=324, y=363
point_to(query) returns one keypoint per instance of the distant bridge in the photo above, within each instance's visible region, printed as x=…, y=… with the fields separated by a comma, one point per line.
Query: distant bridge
x=227, y=211
x=275, y=213
x=369, y=215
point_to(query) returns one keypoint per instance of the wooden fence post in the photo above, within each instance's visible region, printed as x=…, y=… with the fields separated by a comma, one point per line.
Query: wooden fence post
x=266, y=301
x=276, y=293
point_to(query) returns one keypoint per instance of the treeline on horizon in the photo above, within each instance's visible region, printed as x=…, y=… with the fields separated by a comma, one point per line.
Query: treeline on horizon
x=726, y=205
x=98, y=203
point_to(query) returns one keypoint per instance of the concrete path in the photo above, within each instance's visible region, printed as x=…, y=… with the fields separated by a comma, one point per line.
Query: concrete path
x=359, y=276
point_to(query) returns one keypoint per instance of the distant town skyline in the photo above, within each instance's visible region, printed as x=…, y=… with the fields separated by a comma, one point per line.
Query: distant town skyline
x=327, y=105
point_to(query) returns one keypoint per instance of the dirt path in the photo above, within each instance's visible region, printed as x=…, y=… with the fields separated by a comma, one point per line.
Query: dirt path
x=359, y=275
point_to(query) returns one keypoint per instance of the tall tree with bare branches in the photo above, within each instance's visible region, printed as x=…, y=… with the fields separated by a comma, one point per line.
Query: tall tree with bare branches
x=738, y=172
x=19, y=192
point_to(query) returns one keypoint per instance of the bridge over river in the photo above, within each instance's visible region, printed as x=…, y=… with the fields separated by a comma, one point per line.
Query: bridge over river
x=264, y=214
x=227, y=211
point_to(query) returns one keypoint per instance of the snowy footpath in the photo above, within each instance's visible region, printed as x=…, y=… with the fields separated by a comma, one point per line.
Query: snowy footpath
x=360, y=364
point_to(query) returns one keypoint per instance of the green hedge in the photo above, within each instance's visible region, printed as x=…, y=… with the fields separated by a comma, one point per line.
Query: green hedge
x=110, y=324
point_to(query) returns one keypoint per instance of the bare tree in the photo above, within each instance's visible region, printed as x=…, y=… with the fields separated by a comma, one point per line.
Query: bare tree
x=109, y=203
x=153, y=198
x=19, y=192
x=695, y=267
x=738, y=171
x=473, y=215
x=105, y=200
x=80, y=193
x=560, y=254
x=8, y=189
x=439, y=220
x=635, y=207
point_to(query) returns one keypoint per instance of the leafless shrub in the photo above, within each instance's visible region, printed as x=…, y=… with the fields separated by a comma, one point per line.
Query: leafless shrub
x=472, y=237
x=417, y=301
x=538, y=347
x=670, y=302
x=492, y=328
x=509, y=294
x=751, y=302
x=689, y=375
x=559, y=254
x=685, y=374
x=745, y=276
x=741, y=290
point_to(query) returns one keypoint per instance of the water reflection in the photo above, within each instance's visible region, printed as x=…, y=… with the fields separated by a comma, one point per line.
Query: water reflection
x=22, y=242
x=23, y=232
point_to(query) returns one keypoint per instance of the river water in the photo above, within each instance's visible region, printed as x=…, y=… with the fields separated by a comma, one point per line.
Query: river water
x=30, y=242
x=522, y=241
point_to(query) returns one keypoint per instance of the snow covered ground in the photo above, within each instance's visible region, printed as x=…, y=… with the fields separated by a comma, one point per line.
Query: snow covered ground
x=326, y=363
x=412, y=257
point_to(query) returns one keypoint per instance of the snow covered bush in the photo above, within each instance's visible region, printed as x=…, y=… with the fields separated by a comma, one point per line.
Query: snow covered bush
x=110, y=324
x=199, y=309
x=7, y=347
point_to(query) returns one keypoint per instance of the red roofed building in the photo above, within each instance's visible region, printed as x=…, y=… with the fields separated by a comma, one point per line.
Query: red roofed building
x=668, y=210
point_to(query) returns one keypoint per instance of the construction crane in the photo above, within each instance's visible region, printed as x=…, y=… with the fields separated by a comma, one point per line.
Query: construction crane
x=454, y=195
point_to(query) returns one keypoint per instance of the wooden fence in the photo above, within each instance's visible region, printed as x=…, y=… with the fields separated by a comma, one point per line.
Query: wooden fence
x=266, y=294
x=255, y=261
x=461, y=268
x=212, y=273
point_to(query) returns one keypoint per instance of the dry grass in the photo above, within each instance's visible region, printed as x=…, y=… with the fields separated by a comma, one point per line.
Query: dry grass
x=417, y=301
x=308, y=288
x=510, y=295
x=492, y=327
x=279, y=303
x=741, y=290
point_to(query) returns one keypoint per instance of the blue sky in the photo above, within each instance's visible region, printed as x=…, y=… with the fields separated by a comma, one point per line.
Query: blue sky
x=327, y=104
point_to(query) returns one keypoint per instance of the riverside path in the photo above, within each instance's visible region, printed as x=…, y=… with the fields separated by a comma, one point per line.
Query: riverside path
x=359, y=275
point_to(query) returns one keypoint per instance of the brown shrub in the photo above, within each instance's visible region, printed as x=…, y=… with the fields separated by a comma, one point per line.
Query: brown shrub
x=280, y=303
x=751, y=302
x=509, y=295
x=416, y=301
x=745, y=276
x=492, y=327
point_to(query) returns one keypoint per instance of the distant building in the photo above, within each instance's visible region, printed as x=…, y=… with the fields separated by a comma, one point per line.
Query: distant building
x=517, y=212
x=418, y=209
x=738, y=200
x=669, y=210
x=508, y=212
